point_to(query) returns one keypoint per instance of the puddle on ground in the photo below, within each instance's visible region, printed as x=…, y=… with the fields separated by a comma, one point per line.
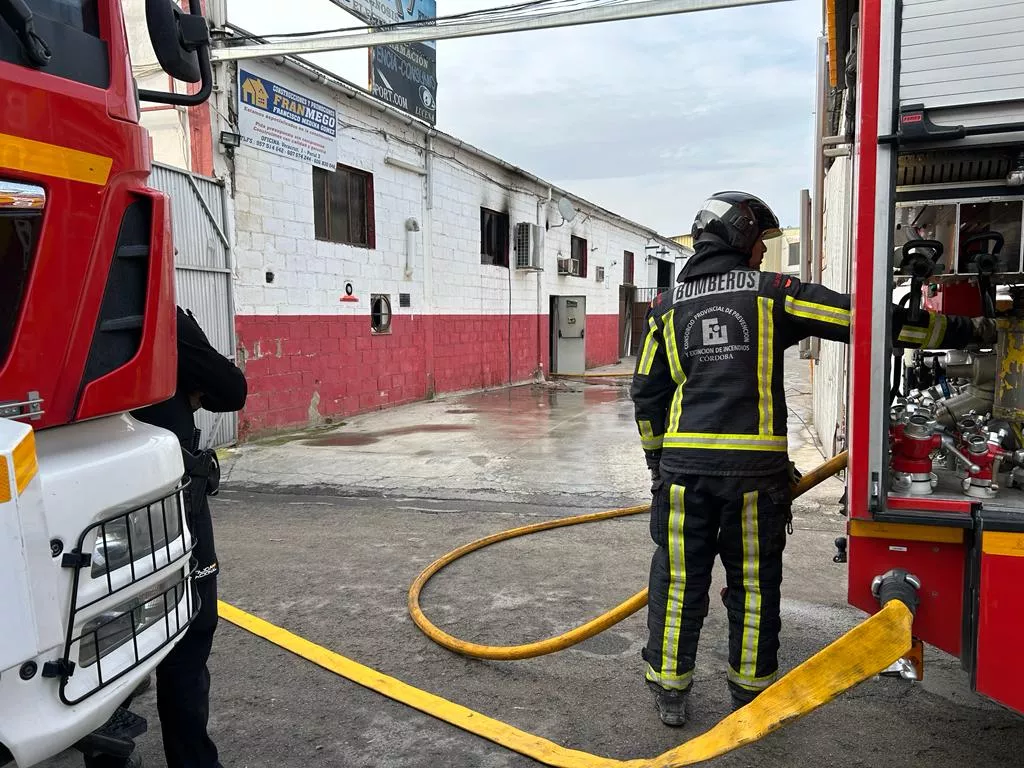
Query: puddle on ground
x=367, y=438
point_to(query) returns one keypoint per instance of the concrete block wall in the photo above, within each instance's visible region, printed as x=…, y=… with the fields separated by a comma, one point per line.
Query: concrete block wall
x=310, y=357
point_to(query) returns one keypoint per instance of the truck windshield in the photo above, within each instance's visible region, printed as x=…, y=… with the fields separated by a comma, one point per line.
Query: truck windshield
x=82, y=15
x=66, y=33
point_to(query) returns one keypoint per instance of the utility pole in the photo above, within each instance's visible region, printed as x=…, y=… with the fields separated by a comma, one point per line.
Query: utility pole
x=411, y=32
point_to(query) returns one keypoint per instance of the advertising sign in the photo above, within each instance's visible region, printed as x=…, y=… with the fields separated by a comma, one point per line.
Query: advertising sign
x=280, y=120
x=405, y=76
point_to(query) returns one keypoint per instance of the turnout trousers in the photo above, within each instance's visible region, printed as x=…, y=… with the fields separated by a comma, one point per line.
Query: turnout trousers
x=744, y=521
x=182, y=678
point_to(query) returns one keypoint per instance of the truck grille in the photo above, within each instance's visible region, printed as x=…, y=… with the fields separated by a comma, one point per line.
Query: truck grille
x=118, y=625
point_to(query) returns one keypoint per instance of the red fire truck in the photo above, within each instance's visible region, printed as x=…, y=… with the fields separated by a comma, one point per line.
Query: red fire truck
x=94, y=546
x=930, y=98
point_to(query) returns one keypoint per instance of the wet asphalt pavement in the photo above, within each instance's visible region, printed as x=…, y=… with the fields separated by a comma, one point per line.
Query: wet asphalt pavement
x=332, y=562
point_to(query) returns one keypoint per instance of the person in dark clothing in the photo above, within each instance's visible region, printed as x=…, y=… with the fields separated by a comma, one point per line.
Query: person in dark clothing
x=710, y=405
x=209, y=380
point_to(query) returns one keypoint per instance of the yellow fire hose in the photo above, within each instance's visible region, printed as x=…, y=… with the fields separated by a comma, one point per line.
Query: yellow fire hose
x=861, y=653
x=584, y=631
x=864, y=651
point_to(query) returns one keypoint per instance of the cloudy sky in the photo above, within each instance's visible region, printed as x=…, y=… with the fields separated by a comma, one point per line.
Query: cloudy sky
x=643, y=117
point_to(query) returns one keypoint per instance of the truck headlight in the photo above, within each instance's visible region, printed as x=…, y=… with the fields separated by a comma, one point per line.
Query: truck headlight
x=134, y=535
x=115, y=627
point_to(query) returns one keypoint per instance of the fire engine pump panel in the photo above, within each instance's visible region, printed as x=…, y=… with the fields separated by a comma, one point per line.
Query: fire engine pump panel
x=951, y=487
x=956, y=417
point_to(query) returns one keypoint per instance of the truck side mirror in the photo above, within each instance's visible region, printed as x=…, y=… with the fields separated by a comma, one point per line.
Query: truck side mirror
x=176, y=38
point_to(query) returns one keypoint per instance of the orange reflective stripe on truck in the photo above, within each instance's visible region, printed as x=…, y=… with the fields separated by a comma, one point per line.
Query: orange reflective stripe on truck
x=25, y=464
x=1001, y=543
x=37, y=157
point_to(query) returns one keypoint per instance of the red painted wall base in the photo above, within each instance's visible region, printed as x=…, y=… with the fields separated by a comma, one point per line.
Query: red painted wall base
x=302, y=369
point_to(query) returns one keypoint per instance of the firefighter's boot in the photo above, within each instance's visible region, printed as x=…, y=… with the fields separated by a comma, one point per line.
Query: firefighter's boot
x=740, y=698
x=672, y=706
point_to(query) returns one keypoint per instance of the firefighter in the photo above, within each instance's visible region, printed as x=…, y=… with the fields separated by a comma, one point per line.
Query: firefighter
x=710, y=405
x=209, y=380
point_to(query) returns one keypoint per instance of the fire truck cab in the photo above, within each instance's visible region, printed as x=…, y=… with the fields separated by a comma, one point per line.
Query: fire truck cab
x=95, y=583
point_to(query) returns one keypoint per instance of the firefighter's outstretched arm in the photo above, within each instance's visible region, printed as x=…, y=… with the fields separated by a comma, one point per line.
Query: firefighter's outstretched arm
x=652, y=390
x=934, y=331
x=814, y=310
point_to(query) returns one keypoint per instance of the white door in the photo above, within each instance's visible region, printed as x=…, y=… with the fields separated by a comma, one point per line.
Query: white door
x=568, y=327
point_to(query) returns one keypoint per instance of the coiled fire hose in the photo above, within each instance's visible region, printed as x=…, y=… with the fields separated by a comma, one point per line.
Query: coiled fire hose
x=584, y=631
x=862, y=652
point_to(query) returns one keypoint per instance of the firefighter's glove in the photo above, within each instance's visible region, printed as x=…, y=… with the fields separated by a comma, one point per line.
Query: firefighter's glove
x=794, y=474
x=985, y=331
x=654, y=465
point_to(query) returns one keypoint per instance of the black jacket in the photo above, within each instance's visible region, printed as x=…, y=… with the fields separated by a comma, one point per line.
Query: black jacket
x=708, y=389
x=203, y=369
x=222, y=387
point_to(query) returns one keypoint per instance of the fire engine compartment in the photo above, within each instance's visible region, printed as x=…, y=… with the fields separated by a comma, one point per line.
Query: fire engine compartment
x=949, y=491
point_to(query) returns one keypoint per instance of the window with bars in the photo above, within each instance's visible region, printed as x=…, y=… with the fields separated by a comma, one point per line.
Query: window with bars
x=343, y=206
x=627, y=267
x=494, y=227
x=579, y=256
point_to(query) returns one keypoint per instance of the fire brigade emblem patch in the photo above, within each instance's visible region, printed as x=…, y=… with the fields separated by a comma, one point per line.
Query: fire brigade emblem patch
x=715, y=331
x=716, y=334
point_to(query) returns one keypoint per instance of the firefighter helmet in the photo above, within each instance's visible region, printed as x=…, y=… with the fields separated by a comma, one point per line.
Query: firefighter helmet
x=736, y=217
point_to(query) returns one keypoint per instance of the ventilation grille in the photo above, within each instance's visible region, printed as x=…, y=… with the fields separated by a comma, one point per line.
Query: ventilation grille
x=119, y=331
x=953, y=168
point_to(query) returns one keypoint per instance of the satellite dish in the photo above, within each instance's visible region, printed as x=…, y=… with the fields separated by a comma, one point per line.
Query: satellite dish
x=566, y=209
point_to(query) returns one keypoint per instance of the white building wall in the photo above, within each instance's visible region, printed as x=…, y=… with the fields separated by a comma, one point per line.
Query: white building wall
x=274, y=216
x=167, y=125
x=830, y=373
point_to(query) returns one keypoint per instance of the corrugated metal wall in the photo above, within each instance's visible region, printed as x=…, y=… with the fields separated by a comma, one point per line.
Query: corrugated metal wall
x=830, y=379
x=202, y=271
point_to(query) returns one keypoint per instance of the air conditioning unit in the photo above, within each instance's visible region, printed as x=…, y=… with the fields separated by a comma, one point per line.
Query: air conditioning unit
x=565, y=266
x=529, y=247
x=599, y=274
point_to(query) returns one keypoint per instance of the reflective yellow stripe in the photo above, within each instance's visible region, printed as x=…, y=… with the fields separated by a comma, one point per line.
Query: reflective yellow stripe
x=751, y=683
x=675, y=414
x=716, y=441
x=936, y=330
x=672, y=682
x=1002, y=543
x=671, y=350
x=677, y=581
x=822, y=312
x=675, y=366
x=36, y=157
x=25, y=463
x=905, y=532
x=649, y=440
x=751, y=589
x=5, y=481
x=912, y=334
x=650, y=348
x=765, y=362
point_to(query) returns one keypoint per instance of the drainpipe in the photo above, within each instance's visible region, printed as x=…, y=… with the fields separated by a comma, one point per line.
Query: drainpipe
x=805, y=256
x=541, y=311
x=428, y=267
